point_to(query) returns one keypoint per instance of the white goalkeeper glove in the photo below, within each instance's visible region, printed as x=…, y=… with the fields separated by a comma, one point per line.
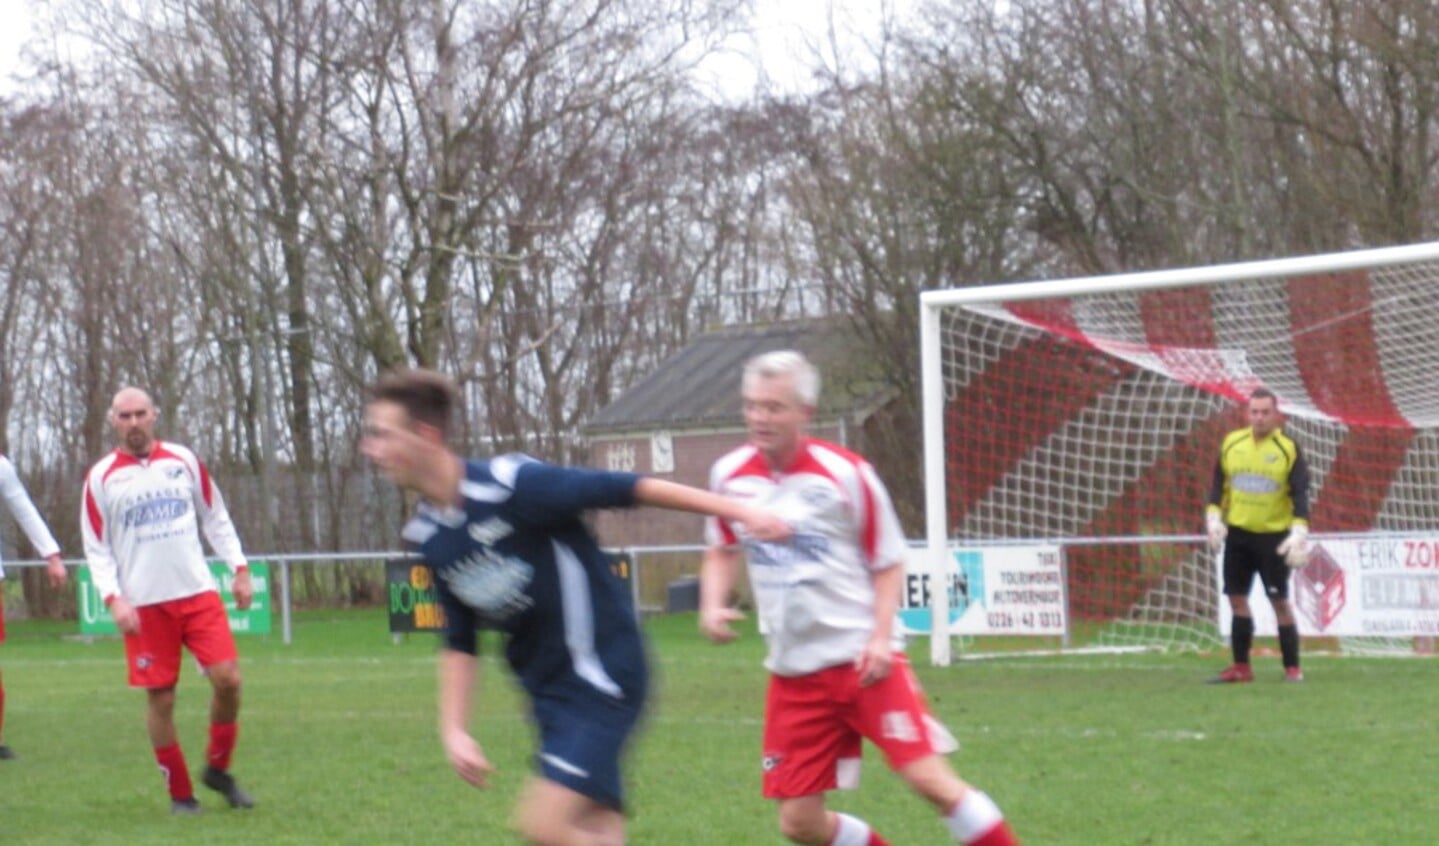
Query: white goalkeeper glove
x=1295, y=547
x=1214, y=524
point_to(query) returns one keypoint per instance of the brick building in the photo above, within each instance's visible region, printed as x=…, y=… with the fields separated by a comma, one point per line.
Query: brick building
x=687, y=413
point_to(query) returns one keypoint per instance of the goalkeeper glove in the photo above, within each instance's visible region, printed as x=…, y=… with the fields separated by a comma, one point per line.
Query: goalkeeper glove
x=1214, y=524
x=1295, y=547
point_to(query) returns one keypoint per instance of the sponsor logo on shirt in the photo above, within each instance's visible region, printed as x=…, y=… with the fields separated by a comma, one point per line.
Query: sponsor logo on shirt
x=155, y=511
x=491, y=583
x=490, y=532
x=801, y=547
x=1253, y=483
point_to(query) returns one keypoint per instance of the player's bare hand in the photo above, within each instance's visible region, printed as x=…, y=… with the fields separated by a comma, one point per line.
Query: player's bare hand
x=874, y=663
x=467, y=759
x=715, y=624
x=243, y=589
x=55, y=569
x=127, y=619
x=762, y=525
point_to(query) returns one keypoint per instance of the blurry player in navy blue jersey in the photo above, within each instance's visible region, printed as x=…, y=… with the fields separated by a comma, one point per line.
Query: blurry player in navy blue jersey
x=511, y=553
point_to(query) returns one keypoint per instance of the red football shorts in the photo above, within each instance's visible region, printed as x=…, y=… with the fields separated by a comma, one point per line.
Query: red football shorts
x=814, y=724
x=198, y=623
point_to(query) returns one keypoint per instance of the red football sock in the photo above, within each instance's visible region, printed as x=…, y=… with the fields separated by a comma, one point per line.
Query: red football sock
x=222, y=744
x=1000, y=835
x=177, y=775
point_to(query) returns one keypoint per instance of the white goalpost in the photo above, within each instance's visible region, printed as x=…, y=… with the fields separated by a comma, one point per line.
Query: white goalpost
x=1083, y=415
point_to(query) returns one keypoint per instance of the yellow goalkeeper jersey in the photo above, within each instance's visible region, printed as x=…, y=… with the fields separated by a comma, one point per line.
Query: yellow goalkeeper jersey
x=1260, y=485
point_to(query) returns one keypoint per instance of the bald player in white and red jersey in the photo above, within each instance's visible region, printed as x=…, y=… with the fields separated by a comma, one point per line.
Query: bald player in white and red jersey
x=828, y=600
x=143, y=508
x=17, y=499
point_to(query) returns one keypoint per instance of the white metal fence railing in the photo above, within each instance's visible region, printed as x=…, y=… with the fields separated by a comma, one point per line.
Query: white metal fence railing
x=648, y=596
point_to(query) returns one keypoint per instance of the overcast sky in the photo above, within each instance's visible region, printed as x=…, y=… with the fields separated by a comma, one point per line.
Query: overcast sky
x=14, y=28
x=787, y=32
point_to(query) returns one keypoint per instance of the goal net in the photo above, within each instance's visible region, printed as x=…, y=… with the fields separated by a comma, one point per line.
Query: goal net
x=1086, y=414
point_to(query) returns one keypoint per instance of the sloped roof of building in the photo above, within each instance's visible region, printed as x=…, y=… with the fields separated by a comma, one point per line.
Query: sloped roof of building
x=700, y=385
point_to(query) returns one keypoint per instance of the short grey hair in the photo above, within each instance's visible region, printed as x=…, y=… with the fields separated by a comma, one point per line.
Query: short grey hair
x=771, y=365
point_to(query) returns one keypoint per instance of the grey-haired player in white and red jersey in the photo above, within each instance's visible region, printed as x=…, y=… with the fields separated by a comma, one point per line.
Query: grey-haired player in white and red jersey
x=141, y=515
x=827, y=601
x=17, y=499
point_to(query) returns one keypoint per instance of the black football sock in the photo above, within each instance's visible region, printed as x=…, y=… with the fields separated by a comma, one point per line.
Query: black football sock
x=1289, y=644
x=1242, y=638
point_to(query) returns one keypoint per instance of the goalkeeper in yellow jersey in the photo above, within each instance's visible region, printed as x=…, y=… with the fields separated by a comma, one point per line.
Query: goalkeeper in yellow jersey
x=1258, y=514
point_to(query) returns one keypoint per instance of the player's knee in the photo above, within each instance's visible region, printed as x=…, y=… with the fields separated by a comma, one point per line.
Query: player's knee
x=803, y=823
x=225, y=677
x=162, y=700
x=543, y=831
x=932, y=778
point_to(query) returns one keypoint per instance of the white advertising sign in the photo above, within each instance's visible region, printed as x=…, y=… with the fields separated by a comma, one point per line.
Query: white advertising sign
x=1376, y=588
x=1010, y=590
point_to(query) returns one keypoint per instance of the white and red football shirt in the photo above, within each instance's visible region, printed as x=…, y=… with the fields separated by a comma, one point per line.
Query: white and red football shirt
x=814, y=592
x=141, y=520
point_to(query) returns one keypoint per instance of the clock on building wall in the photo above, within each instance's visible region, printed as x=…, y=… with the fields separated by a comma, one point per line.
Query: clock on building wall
x=662, y=453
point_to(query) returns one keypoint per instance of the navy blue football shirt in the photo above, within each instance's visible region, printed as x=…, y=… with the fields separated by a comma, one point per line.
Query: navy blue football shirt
x=517, y=557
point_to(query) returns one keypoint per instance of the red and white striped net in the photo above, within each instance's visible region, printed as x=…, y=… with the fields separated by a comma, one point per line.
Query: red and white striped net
x=1099, y=416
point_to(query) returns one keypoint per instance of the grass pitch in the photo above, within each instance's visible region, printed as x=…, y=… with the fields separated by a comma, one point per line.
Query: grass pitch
x=338, y=745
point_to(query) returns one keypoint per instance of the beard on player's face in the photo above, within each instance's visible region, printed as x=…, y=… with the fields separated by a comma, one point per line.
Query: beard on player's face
x=137, y=439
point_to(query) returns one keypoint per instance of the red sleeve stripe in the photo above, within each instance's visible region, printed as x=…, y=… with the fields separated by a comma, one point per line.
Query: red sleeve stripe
x=869, y=526
x=92, y=511
x=205, y=483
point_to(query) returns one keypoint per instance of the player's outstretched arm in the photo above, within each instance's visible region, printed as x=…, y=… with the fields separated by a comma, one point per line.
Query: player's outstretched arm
x=759, y=523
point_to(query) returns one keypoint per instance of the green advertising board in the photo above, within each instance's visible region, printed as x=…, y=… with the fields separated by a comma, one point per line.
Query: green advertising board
x=95, y=618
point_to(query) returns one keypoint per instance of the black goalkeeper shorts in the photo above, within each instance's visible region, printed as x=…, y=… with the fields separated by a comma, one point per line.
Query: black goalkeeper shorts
x=1249, y=553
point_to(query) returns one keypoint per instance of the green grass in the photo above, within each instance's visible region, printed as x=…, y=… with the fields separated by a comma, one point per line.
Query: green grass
x=338, y=746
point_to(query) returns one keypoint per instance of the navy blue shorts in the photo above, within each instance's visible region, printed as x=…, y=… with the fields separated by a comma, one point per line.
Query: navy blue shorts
x=581, y=743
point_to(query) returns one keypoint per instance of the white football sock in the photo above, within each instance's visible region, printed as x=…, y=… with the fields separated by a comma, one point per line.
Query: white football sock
x=975, y=815
x=852, y=831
